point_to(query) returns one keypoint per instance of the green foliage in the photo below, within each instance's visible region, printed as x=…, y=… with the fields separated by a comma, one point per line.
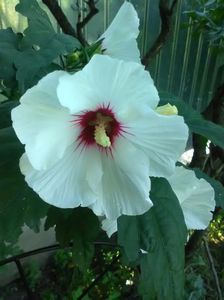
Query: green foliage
x=196, y=122
x=208, y=17
x=76, y=60
x=8, y=51
x=200, y=283
x=33, y=274
x=216, y=232
x=61, y=279
x=79, y=226
x=29, y=56
x=6, y=250
x=5, y=113
x=41, y=44
x=195, y=284
x=19, y=205
x=162, y=233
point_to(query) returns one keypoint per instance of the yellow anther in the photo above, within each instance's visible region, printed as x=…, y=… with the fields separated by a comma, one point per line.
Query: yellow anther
x=167, y=110
x=101, y=137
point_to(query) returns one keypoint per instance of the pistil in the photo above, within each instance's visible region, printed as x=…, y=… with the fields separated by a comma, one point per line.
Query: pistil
x=101, y=136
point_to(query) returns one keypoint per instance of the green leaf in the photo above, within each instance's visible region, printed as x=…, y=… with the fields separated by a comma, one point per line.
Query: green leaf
x=29, y=63
x=196, y=122
x=40, y=46
x=162, y=233
x=5, y=113
x=8, y=249
x=79, y=226
x=26, y=57
x=39, y=25
x=130, y=232
x=40, y=32
x=19, y=205
x=8, y=51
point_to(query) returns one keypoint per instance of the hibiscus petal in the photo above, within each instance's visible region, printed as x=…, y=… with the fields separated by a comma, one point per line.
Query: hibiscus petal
x=125, y=185
x=162, y=138
x=71, y=182
x=119, y=40
x=43, y=124
x=110, y=226
x=104, y=80
x=196, y=197
x=75, y=92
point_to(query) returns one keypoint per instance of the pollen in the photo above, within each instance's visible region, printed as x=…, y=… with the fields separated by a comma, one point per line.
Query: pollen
x=167, y=110
x=98, y=127
x=101, y=137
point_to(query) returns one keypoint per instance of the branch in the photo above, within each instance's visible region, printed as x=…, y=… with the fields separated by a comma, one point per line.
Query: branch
x=81, y=24
x=166, y=17
x=62, y=20
x=212, y=265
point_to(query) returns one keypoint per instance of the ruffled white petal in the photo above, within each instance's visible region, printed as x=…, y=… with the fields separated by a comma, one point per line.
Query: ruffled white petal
x=42, y=124
x=119, y=40
x=123, y=85
x=72, y=181
x=75, y=92
x=110, y=226
x=162, y=138
x=196, y=197
x=125, y=182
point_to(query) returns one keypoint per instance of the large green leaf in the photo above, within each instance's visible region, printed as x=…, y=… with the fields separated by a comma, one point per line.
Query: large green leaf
x=162, y=233
x=79, y=226
x=196, y=122
x=19, y=205
x=39, y=25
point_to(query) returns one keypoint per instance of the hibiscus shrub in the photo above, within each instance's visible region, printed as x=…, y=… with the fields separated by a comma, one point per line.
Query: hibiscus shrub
x=91, y=146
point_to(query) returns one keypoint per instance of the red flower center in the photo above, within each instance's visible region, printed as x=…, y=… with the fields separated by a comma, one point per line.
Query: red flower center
x=98, y=127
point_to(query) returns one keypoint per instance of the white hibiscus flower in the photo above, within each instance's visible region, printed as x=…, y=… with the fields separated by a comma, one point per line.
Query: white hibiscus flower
x=196, y=197
x=93, y=138
x=119, y=40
